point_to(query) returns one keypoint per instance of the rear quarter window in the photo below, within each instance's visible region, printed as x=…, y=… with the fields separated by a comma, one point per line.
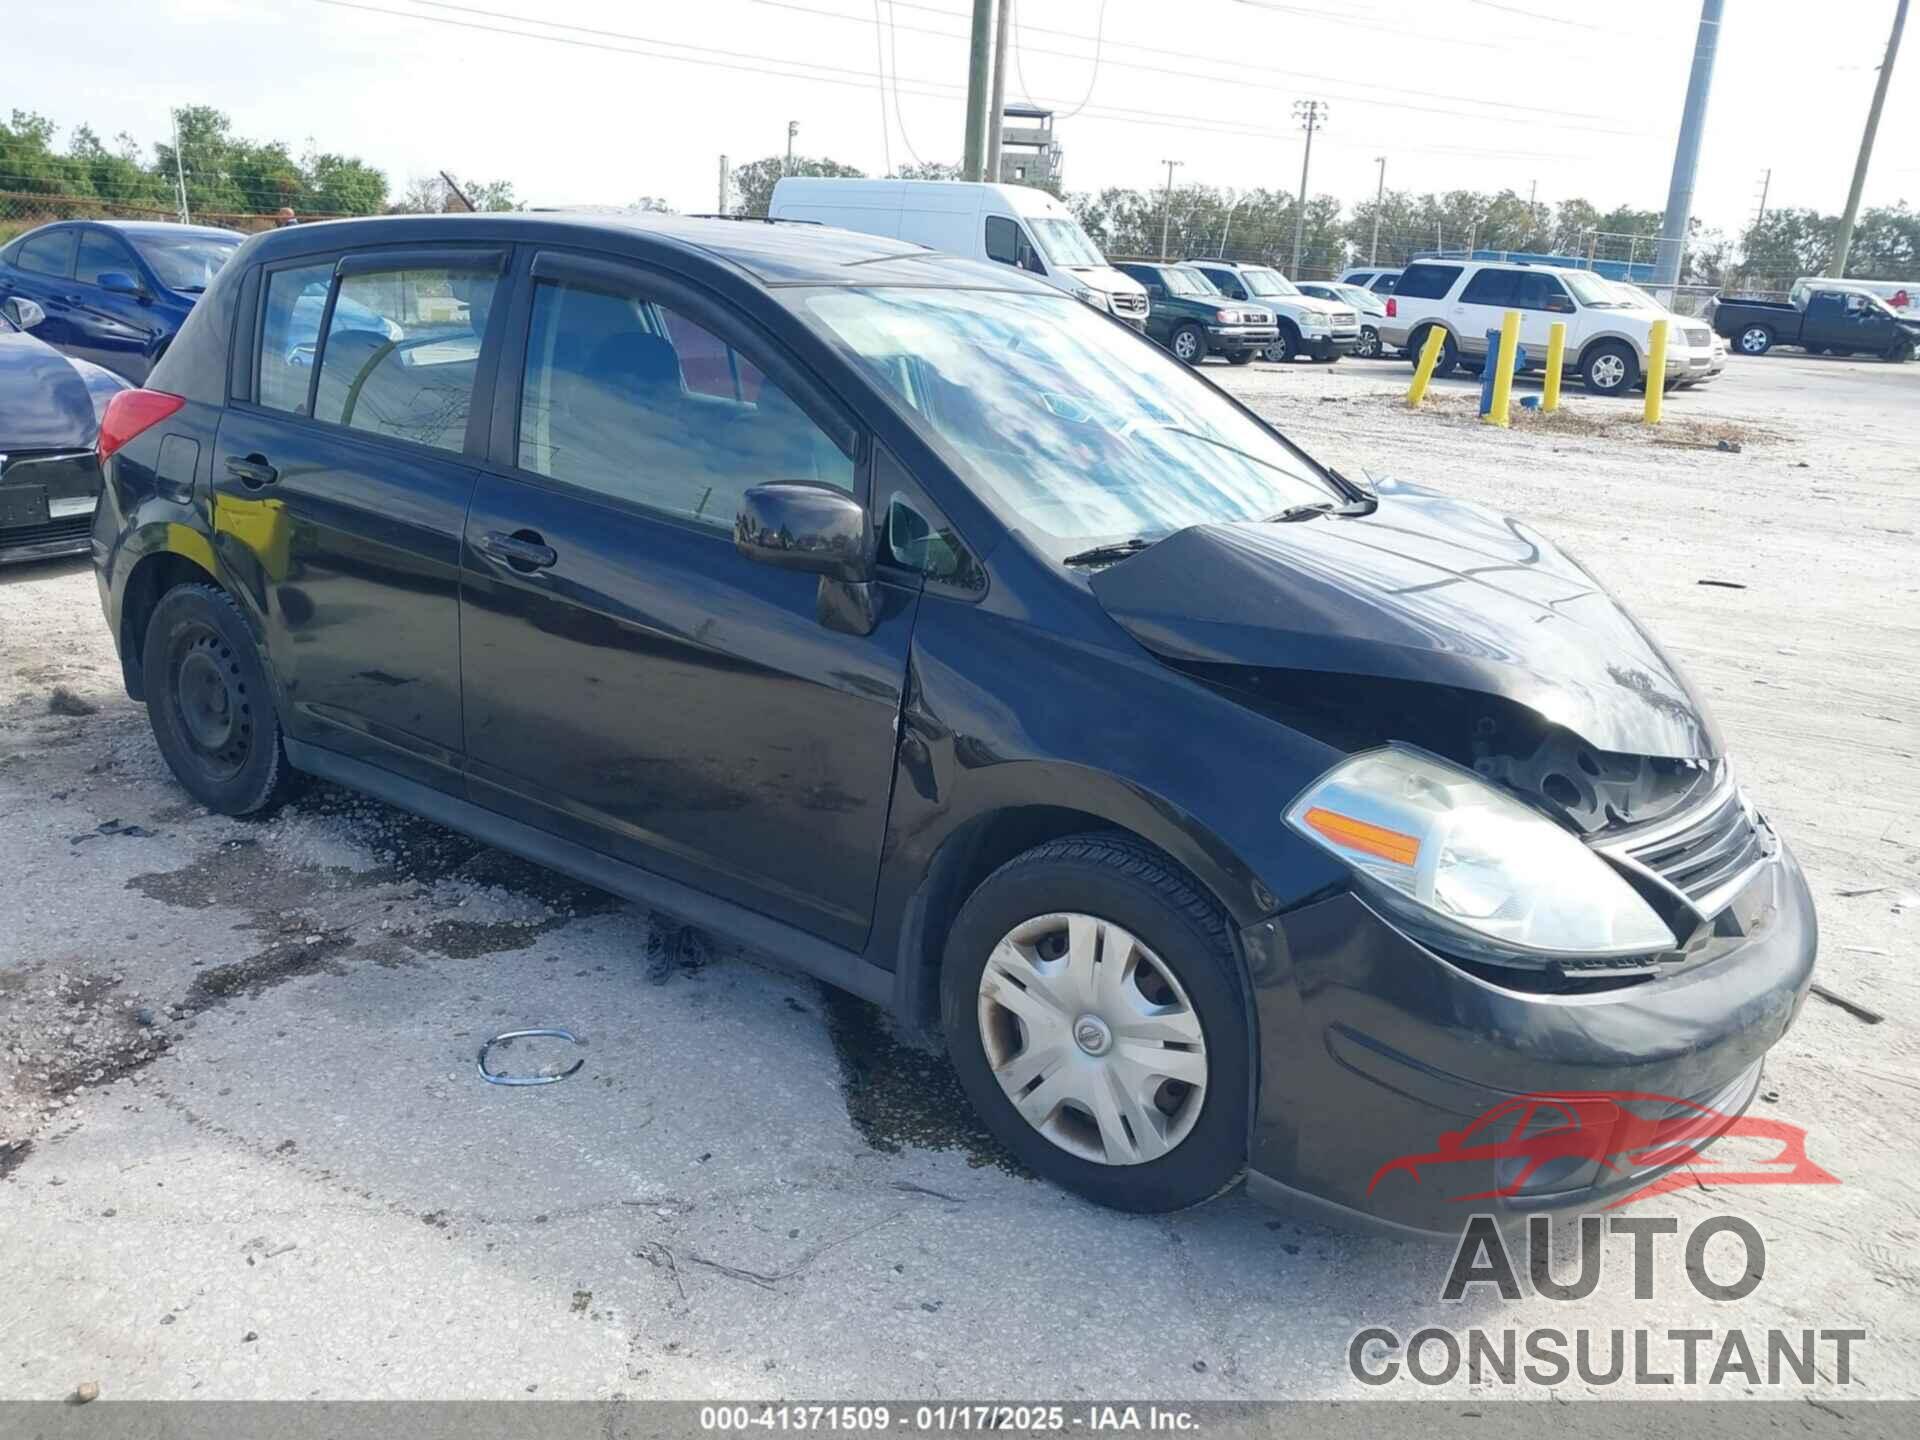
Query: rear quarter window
x=1426, y=282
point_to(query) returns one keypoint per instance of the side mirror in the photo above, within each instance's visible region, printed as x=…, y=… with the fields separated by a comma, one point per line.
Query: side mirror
x=22, y=312
x=805, y=526
x=118, y=282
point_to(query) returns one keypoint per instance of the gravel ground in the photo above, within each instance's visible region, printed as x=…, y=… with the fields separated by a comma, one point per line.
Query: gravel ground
x=245, y=1153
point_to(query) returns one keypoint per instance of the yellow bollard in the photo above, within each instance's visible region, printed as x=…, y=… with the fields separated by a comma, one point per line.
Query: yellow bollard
x=1499, y=413
x=1656, y=370
x=1423, y=369
x=1556, y=358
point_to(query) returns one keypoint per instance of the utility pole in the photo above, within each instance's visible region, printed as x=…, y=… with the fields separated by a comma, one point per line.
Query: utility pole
x=1766, y=184
x=180, y=171
x=1379, y=199
x=793, y=129
x=1533, y=215
x=1309, y=113
x=721, y=208
x=997, y=120
x=1845, y=242
x=979, y=87
x=1686, y=155
x=1166, y=208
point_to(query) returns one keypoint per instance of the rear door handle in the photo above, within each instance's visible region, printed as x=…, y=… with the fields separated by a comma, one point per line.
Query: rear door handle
x=254, y=472
x=524, y=550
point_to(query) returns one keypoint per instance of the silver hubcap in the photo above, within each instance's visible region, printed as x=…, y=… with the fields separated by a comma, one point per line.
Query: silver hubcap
x=1184, y=345
x=1609, y=371
x=1754, y=340
x=1092, y=1038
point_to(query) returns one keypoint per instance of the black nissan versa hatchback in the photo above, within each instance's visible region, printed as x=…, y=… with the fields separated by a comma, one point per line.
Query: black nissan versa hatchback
x=915, y=623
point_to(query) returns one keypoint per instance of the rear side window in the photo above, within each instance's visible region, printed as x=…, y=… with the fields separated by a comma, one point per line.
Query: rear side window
x=401, y=351
x=1385, y=284
x=49, y=254
x=101, y=254
x=296, y=299
x=622, y=396
x=1489, y=287
x=1426, y=282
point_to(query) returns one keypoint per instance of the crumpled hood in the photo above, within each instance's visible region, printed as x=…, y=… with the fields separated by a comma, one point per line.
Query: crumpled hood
x=1426, y=588
x=44, y=402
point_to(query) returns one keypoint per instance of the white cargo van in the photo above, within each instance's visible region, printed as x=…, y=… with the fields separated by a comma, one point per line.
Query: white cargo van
x=1011, y=224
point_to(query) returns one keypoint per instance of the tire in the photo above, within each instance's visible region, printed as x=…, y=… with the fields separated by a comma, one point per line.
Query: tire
x=1754, y=340
x=1242, y=357
x=210, y=704
x=1449, y=351
x=1188, y=1142
x=1610, y=368
x=1188, y=344
x=1285, y=346
x=1369, y=346
x=1815, y=349
x=1900, y=351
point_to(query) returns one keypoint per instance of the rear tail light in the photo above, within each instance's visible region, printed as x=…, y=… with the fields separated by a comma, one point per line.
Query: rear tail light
x=131, y=412
x=1393, y=310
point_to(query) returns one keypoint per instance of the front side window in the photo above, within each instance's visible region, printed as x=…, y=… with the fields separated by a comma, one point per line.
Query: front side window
x=289, y=335
x=186, y=263
x=1008, y=243
x=624, y=396
x=101, y=254
x=1541, y=292
x=1223, y=281
x=1073, y=431
x=48, y=254
x=401, y=351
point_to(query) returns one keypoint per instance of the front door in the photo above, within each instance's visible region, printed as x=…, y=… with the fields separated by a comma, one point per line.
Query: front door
x=341, y=491
x=632, y=681
x=111, y=328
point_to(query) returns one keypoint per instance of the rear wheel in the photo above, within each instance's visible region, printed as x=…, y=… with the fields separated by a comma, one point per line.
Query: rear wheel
x=209, y=703
x=1093, y=1009
x=1756, y=340
x=1188, y=344
x=1610, y=368
x=1449, y=351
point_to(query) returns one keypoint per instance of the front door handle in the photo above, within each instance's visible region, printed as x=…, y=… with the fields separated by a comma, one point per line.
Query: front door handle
x=524, y=550
x=253, y=472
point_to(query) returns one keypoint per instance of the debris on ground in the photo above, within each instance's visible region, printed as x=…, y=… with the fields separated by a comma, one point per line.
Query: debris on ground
x=1723, y=584
x=1852, y=1007
x=64, y=702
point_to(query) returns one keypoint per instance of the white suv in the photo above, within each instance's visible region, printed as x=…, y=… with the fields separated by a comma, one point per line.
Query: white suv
x=1319, y=329
x=1608, y=333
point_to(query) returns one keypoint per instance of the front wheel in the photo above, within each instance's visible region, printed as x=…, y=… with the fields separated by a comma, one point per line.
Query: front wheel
x=209, y=703
x=1756, y=340
x=1286, y=345
x=1242, y=357
x=1188, y=344
x=1369, y=346
x=1093, y=1009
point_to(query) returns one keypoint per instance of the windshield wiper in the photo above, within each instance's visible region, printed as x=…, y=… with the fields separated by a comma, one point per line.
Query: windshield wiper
x=1299, y=512
x=1107, y=554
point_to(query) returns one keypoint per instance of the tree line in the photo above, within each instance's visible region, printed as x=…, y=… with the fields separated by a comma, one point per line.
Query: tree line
x=1258, y=224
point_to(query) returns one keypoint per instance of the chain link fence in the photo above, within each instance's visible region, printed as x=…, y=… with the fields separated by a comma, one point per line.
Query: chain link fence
x=22, y=210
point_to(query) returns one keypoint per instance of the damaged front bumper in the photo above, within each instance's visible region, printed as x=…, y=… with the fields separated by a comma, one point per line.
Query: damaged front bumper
x=1375, y=1048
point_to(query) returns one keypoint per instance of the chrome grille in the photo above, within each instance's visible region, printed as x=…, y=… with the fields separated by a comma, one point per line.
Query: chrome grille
x=1345, y=320
x=1131, y=304
x=74, y=528
x=1697, y=336
x=1707, y=854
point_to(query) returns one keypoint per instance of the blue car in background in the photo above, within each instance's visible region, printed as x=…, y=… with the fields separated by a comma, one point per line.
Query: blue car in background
x=115, y=292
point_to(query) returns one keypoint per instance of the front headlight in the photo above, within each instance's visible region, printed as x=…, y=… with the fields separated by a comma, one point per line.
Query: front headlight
x=1474, y=859
x=1314, y=324
x=1096, y=298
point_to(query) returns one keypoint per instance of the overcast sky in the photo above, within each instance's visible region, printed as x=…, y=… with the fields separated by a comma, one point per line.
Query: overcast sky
x=1582, y=98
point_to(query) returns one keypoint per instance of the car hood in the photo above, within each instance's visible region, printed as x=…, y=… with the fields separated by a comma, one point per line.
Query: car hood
x=1426, y=588
x=1315, y=303
x=44, y=402
x=1107, y=280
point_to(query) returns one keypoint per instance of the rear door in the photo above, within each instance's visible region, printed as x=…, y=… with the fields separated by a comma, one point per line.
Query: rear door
x=111, y=328
x=341, y=481
x=632, y=682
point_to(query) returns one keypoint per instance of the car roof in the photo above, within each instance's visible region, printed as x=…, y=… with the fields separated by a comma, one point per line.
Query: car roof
x=774, y=253
x=165, y=228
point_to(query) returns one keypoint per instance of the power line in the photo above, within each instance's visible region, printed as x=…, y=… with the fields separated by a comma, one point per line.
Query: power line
x=880, y=75
x=1154, y=119
x=898, y=115
x=1545, y=19
x=1364, y=98
x=1099, y=35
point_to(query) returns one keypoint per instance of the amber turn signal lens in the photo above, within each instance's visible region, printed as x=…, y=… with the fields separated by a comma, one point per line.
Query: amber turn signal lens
x=1353, y=834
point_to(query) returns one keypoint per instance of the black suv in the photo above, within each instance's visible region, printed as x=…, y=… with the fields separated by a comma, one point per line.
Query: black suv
x=1191, y=318
x=905, y=618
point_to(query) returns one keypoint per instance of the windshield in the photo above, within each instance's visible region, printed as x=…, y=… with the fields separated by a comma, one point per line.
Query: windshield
x=1072, y=428
x=1065, y=244
x=1182, y=281
x=1262, y=281
x=1589, y=289
x=1354, y=295
x=185, y=262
